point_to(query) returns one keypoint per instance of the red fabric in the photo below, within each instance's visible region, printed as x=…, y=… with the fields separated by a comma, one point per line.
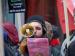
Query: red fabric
x=12, y=32
x=70, y=6
x=54, y=42
x=40, y=7
x=60, y=9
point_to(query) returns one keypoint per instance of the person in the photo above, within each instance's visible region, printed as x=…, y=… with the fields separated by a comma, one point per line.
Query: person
x=53, y=35
x=55, y=41
x=67, y=49
x=10, y=36
x=49, y=30
x=38, y=23
x=71, y=48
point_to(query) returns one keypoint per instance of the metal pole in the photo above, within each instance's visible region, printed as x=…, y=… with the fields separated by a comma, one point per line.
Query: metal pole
x=66, y=21
x=19, y=21
x=1, y=31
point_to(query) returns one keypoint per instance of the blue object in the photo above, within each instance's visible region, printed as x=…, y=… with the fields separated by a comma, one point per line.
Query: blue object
x=5, y=36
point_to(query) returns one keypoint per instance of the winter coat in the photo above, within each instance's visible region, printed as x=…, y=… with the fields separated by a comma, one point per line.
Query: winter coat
x=71, y=49
x=9, y=48
x=10, y=36
x=64, y=46
x=27, y=52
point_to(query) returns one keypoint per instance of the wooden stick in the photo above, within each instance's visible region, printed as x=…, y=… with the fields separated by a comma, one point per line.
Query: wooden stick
x=66, y=20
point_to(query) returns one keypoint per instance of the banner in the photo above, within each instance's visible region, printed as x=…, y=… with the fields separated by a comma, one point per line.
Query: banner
x=70, y=6
x=61, y=15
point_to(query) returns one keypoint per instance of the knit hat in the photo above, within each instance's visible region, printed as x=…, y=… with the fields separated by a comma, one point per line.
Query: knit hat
x=39, y=19
x=11, y=32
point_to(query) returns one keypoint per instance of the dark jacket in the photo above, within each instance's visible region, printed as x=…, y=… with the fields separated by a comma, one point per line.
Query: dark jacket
x=71, y=49
x=9, y=48
x=10, y=36
x=27, y=52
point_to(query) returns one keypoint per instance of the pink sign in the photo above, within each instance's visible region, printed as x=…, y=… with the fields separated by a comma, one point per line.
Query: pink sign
x=38, y=46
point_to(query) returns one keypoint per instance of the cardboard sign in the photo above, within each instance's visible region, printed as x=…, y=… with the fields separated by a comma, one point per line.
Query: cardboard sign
x=38, y=46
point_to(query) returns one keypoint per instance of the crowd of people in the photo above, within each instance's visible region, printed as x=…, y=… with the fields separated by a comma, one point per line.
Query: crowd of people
x=41, y=30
